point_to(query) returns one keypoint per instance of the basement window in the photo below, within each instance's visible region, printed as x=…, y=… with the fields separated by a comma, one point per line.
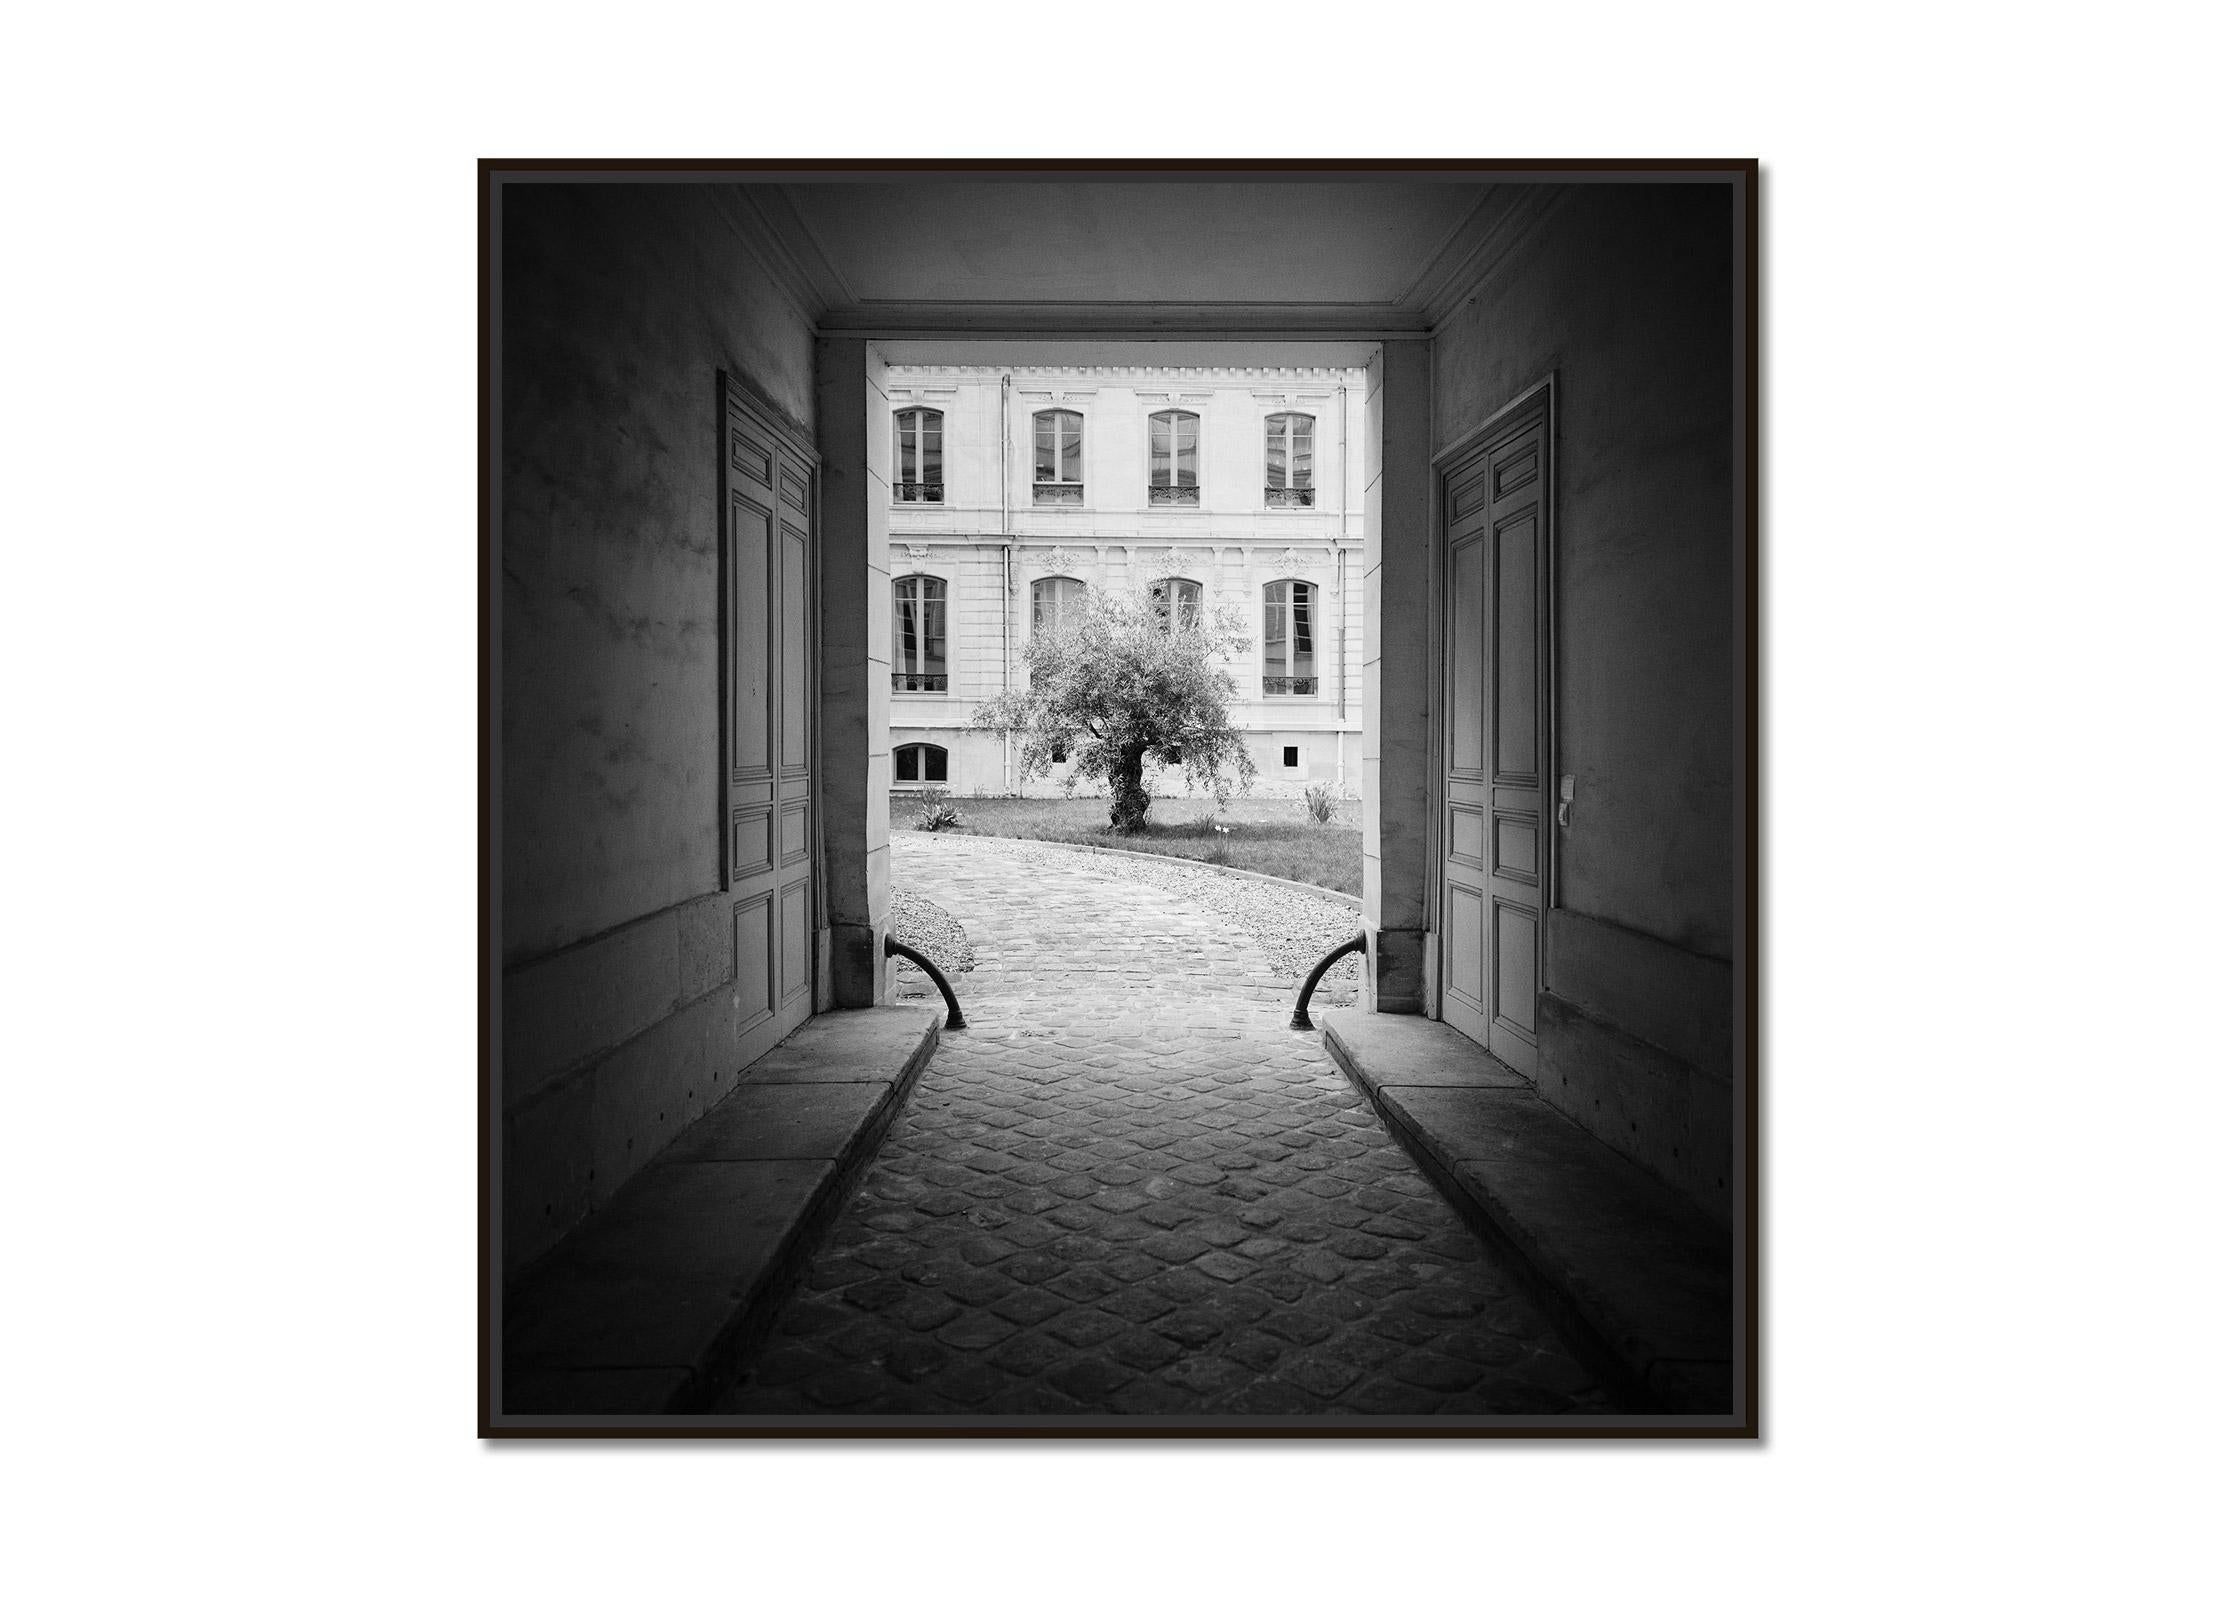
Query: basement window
x=921, y=763
x=1290, y=755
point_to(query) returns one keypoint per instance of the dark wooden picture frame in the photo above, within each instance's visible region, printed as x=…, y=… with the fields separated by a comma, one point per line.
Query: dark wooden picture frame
x=570, y=983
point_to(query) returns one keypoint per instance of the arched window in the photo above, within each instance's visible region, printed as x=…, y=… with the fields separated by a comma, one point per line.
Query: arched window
x=921, y=635
x=1287, y=656
x=921, y=763
x=1176, y=601
x=1056, y=599
x=1057, y=458
x=1290, y=459
x=1174, y=458
x=917, y=455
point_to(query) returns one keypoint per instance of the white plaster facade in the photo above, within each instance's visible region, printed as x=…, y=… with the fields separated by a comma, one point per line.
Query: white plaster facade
x=991, y=536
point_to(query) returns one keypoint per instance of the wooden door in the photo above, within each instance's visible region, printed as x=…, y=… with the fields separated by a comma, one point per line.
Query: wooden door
x=1494, y=805
x=769, y=632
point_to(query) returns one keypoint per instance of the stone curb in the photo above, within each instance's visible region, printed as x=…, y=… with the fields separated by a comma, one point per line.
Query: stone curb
x=1337, y=896
x=1626, y=1269
x=644, y=1309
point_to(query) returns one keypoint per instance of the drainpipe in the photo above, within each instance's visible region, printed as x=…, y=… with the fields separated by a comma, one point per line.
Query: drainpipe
x=1004, y=524
x=1345, y=442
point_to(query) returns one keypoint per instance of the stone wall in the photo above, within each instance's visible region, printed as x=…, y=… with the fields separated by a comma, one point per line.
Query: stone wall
x=1626, y=293
x=620, y=305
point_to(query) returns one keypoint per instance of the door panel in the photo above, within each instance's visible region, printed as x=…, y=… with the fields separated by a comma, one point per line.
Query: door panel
x=1494, y=867
x=1465, y=795
x=769, y=643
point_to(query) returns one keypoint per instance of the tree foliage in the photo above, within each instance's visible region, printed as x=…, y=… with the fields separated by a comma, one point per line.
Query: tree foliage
x=1114, y=686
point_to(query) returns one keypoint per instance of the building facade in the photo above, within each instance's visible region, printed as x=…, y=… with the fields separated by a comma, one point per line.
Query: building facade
x=1017, y=492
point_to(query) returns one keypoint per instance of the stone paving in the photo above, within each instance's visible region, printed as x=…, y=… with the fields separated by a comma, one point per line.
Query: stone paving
x=1130, y=1188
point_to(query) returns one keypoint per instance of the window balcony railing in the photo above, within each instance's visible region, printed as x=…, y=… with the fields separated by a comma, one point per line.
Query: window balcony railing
x=921, y=682
x=1287, y=685
x=925, y=493
x=1164, y=495
x=1302, y=498
x=1057, y=494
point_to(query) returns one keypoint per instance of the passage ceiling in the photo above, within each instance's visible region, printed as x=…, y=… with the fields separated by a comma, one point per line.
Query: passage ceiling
x=1089, y=255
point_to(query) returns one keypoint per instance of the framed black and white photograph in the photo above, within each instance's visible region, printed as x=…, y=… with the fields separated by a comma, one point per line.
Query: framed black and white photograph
x=1119, y=799
x=1020, y=800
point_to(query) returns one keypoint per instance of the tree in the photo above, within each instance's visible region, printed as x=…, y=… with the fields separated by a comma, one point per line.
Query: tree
x=1117, y=683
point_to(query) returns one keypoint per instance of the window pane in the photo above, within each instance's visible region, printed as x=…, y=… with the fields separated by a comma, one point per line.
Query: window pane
x=905, y=460
x=1273, y=659
x=905, y=628
x=906, y=764
x=1185, y=451
x=937, y=764
x=929, y=448
x=1045, y=446
x=1069, y=452
x=1162, y=453
x=1302, y=452
x=1054, y=600
x=936, y=628
x=1275, y=452
x=1302, y=628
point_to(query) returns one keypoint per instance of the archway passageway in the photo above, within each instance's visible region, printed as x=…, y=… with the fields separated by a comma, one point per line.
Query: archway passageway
x=1129, y=1187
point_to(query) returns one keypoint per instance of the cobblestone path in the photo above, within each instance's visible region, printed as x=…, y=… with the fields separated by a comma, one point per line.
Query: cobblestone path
x=1128, y=1187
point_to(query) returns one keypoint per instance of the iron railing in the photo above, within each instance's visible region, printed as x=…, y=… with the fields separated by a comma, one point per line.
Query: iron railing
x=922, y=682
x=929, y=493
x=1057, y=494
x=895, y=947
x=1357, y=945
x=1287, y=685
x=1290, y=497
x=1165, y=496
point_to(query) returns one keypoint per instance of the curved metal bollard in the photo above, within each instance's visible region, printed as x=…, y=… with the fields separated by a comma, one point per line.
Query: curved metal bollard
x=895, y=947
x=1357, y=945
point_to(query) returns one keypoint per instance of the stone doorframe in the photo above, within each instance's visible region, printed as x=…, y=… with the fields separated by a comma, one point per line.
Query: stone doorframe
x=1398, y=761
x=1398, y=864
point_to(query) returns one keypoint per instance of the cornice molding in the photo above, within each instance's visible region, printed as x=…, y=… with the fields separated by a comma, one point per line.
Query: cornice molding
x=939, y=319
x=752, y=229
x=1045, y=377
x=1526, y=209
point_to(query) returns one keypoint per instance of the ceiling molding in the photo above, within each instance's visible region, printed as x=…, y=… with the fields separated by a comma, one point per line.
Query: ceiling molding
x=1460, y=242
x=1050, y=318
x=782, y=214
x=1524, y=209
x=749, y=227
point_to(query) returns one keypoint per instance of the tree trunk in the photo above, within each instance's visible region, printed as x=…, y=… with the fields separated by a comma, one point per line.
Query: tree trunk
x=1129, y=801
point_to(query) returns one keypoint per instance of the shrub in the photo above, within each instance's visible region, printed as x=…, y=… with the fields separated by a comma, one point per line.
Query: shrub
x=936, y=814
x=1321, y=800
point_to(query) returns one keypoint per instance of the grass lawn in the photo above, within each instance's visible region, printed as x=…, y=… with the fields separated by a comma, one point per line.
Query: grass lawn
x=1276, y=837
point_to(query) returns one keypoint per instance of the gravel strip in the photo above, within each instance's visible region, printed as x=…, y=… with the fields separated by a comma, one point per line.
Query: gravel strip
x=1294, y=929
x=931, y=931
